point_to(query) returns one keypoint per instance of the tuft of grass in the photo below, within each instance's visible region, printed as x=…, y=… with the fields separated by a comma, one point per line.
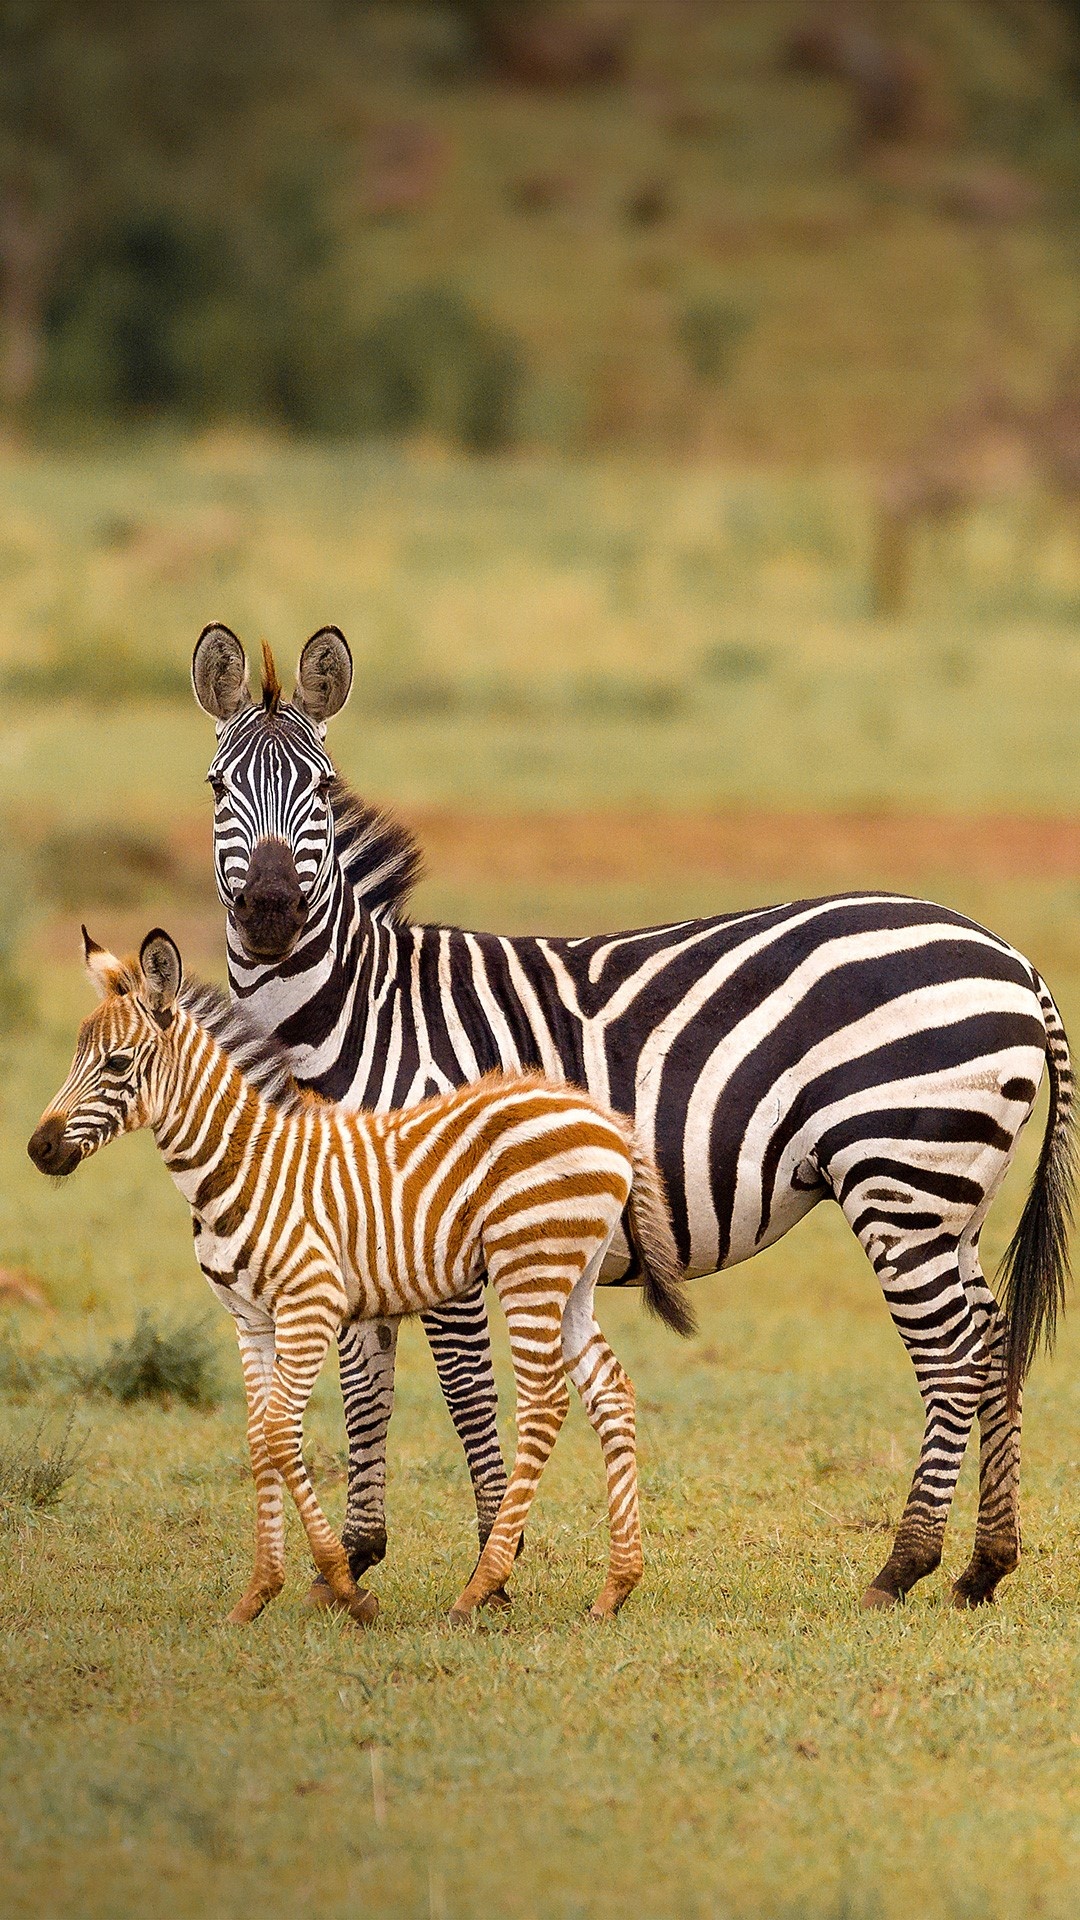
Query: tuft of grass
x=20, y=1372
x=34, y=1472
x=161, y=1363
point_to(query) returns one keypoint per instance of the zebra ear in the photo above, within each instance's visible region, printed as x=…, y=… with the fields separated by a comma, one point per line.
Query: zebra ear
x=324, y=675
x=105, y=970
x=219, y=673
x=162, y=971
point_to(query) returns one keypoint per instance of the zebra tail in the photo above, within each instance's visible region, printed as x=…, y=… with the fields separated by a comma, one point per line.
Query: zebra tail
x=649, y=1223
x=1035, y=1270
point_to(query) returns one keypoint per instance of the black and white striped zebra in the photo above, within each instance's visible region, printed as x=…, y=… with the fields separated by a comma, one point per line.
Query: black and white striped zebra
x=868, y=1048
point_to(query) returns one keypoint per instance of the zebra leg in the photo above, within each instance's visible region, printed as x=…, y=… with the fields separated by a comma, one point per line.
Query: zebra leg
x=533, y=1317
x=944, y=1337
x=367, y=1353
x=997, y=1530
x=268, y=1573
x=607, y=1394
x=367, y=1350
x=460, y=1342
x=303, y=1332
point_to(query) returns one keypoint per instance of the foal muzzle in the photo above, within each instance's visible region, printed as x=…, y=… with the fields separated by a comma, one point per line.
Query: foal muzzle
x=50, y=1148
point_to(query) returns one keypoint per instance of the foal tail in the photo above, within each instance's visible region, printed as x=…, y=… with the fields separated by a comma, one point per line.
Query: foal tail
x=1035, y=1270
x=652, y=1239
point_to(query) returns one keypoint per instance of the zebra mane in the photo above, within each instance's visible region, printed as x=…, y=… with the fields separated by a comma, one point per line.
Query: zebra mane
x=378, y=854
x=261, y=1058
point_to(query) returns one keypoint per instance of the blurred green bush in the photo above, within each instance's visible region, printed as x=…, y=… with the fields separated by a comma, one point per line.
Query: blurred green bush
x=159, y=315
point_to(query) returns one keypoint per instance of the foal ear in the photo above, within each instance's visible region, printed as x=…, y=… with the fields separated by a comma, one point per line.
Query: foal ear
x=219, y=673
x=162, y=971
x=105, y=970
x=324, y=675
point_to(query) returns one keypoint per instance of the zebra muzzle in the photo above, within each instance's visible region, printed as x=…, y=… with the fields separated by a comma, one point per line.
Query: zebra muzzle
x=269, y=911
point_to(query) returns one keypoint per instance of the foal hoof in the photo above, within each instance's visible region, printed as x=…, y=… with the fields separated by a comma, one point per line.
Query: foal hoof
x=879, y=1597
x=460, y=1617
x=363, y=1609
x=500, y=1600
x=318, y=1594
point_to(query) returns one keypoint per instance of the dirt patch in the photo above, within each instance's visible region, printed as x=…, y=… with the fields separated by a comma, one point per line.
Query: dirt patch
x=822, y=849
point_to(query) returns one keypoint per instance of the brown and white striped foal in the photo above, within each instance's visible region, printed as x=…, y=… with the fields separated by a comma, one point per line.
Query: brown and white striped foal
x=307, y=1216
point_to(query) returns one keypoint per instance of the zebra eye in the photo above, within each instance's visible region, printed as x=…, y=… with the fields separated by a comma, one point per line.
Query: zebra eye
x=216, y=785
x=117, y=1062
x=323, y=787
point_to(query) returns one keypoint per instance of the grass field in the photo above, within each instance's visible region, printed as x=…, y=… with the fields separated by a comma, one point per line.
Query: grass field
x=744, y=1742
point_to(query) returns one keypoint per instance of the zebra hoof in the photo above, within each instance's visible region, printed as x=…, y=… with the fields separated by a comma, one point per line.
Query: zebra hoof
x=365, y=1552
x=460, y=1617
x=500, y=1600
x=878, y=1597
x=964, y=1598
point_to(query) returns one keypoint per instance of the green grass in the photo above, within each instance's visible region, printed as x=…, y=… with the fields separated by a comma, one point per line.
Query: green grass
x=535, y=634
x=743, y=1742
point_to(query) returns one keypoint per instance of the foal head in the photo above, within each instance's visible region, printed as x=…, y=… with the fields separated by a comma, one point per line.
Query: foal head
x=114, y=1083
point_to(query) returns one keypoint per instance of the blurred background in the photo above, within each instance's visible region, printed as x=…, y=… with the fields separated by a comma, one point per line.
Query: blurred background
x=677, y=405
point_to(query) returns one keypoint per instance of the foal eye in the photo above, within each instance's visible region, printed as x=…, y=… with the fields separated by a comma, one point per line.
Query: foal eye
x=117, y=1062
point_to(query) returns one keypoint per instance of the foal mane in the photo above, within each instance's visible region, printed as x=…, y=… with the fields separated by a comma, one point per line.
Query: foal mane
x=261, y=1058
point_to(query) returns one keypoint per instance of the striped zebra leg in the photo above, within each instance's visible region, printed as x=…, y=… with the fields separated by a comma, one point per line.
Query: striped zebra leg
x=607, y=1394
x=533, y=1303
x=997, y=1530
x=268, y=1573
x=304, y=1329
x=367, y=1351
x=460, y=1341
x=944, y=1337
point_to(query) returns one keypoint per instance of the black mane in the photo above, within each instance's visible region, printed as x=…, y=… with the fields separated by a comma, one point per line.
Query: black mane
x=261, y=1058
x=378, y=854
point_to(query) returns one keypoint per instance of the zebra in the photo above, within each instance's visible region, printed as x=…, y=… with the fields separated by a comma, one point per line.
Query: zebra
x=307, y=1216
x=868, y=1048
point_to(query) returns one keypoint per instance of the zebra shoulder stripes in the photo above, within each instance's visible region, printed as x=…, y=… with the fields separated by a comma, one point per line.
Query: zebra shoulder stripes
x=307, y=1216
x=870, y=1049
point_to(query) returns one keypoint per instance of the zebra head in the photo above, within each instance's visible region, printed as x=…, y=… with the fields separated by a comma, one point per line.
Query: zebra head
x=113, y=1084
x=272, y=783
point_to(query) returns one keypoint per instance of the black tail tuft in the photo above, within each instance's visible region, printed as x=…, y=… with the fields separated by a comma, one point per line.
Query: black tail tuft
x=1035, y=1271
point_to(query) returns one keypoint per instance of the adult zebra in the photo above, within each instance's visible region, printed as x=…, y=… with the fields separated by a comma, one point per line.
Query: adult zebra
x=870, y=1048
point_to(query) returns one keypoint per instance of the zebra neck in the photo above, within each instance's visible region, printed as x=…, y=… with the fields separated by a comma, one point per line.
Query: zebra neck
x=208, y=1116
x=333, y=985
x=277, y=994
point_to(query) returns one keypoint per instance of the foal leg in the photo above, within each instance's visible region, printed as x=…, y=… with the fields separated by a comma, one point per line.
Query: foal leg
x=608, y=1397
x=268, y=1574
x=303, y=1332
x=533, y=1302
x=366, y=1356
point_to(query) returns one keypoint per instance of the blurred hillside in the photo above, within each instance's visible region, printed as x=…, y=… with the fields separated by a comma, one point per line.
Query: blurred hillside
x=750, y=228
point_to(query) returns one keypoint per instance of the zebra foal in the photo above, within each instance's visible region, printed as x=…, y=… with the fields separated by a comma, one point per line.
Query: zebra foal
x=307, y=1217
